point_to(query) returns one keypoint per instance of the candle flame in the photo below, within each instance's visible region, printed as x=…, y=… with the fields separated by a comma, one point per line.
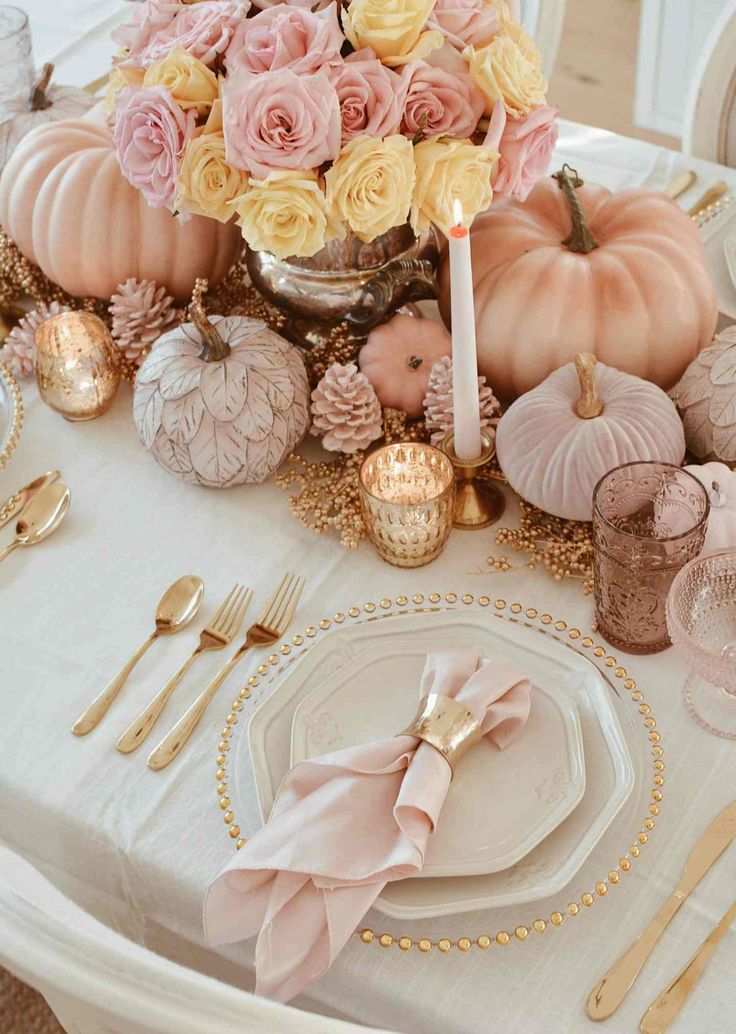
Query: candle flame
x=458, y=210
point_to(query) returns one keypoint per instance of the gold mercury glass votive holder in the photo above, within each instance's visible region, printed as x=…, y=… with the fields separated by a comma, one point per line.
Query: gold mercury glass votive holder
x=407, y=497
x=77, y=370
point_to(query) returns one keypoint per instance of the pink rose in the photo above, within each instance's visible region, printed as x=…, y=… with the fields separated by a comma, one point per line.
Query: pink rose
x=371, y=96
x=440, y=103
x=466, y=23
x=280, y=120
x=149, y=17
x=308, y=5
x=525, y=148
x=150, y=133
x=203, y=29
x=286, y=37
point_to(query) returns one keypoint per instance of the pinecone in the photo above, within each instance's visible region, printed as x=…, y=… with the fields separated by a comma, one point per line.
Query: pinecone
x=345, y=410
x=141, y=311
x=19, y=348
x=438, y=401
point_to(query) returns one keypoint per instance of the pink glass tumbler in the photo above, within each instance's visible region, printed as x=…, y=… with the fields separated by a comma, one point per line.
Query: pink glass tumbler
x=649, y=520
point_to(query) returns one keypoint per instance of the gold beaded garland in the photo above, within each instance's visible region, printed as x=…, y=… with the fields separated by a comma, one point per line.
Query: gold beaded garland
x=483, y=941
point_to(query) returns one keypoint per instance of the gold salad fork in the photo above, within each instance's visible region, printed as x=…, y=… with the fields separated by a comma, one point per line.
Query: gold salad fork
x=269, y=627
x=220, y=632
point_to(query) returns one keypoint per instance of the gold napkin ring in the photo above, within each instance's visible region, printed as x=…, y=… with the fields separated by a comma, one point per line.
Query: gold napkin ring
x=447, y=725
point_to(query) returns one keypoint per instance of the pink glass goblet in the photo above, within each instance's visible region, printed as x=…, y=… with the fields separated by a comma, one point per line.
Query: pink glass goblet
x=701, y=621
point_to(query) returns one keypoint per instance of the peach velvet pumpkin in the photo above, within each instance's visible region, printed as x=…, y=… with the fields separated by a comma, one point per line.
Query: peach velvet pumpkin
x=69, y=209
x=397, y=359
x=558, y=440
x=578, y=269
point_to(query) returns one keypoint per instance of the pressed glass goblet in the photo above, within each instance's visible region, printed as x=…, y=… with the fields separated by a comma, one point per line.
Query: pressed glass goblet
x=701, y=620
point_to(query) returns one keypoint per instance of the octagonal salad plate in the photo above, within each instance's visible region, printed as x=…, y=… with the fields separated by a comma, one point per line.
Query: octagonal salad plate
x=263, y=757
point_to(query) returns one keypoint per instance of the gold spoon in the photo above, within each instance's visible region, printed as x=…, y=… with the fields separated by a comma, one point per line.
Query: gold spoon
x=42, y=515
x=177, y=607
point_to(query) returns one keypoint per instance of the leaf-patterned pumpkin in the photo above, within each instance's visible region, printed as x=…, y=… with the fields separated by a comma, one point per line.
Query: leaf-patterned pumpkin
x=706, y=400
x=68, y=207
x=221, y=402
x=578, y=269
x=46, y=104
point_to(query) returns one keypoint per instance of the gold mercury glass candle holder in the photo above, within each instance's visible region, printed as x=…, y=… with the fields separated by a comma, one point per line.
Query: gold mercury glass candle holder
x=76, y=367
x=477, y=503
x=407, y=498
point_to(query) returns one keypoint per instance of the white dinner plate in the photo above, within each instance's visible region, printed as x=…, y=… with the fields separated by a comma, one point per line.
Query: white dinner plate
x=262, y=757
x=500, y=803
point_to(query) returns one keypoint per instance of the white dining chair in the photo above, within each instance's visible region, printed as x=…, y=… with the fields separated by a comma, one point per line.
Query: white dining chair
x=709, y=129
x=544, y=20
x=98, y=982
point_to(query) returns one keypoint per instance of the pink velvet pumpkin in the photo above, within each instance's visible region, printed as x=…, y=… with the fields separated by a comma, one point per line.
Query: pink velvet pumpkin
x=397, y=359
x=578, y=269
x=68, y=207
x=558, y=440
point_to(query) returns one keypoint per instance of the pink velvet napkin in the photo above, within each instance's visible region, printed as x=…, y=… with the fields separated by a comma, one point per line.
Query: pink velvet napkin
x=345, y=824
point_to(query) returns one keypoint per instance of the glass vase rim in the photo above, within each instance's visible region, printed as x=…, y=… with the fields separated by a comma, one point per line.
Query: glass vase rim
x=700, y=523
x=22, y=24
x=396, y=445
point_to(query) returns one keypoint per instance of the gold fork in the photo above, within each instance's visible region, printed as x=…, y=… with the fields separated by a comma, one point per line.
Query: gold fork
x=269, y=627
x=220, y=632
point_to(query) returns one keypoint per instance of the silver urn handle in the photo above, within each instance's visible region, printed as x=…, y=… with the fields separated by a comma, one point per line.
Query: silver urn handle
x=398, y=283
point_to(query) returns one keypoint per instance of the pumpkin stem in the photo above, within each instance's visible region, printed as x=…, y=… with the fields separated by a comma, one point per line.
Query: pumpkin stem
x=581, y=240
x=39, y=100
x=214, y=348
x=588, y=405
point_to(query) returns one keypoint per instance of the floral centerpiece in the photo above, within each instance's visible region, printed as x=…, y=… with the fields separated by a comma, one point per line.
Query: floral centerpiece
x=308, y=126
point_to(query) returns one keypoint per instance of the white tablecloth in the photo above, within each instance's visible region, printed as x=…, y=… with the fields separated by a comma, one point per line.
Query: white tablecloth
x=138, y=848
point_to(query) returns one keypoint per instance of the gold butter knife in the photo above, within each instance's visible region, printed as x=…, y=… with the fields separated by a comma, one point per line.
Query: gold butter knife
x=712, y=194
x=665, y=1009
x=13, y=506
x=612, y=988
x=682, y=182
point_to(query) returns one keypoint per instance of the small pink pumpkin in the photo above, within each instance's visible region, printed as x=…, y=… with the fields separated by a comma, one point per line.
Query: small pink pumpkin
x=557, y=441
x=398, y=357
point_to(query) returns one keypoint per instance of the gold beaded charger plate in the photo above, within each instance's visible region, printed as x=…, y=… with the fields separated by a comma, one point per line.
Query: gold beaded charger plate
x=236, y=789
x=11, y=414
x=500, y=805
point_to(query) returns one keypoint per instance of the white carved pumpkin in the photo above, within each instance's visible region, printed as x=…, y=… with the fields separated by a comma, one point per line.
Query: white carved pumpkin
x=45, y=104
x=68, y=207
x=558, y=440
x=706, y=400
x=221, y=402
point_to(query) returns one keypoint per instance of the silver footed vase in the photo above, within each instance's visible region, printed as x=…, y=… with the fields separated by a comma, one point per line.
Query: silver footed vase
x=347, y=282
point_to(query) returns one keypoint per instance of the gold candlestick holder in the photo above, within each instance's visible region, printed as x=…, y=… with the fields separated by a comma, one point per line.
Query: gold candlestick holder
x=478, y=504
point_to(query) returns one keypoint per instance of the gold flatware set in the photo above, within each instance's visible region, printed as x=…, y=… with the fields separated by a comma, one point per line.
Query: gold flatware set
x=683, y=181
x=177, y=608
x=39, y=507
x=612, y=988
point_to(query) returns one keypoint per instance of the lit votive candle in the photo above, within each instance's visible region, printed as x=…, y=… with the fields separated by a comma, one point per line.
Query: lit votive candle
x=407, y=498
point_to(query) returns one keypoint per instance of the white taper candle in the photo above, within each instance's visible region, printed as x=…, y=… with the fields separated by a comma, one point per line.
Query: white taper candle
x=465, y=403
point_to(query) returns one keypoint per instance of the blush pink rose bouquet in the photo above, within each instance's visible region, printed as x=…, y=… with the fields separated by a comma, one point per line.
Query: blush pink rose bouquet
x=312, y=119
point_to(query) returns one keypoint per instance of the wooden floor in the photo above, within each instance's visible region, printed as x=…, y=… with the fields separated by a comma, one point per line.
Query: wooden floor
x=594, y=77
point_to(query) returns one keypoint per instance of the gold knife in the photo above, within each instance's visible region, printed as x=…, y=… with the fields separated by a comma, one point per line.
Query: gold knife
x=13, y=506
x=612, y=988
x=712, y=194
x=682, y=182
x=665, y=1009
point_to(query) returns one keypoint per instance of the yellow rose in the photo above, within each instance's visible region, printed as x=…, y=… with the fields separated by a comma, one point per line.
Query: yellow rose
x=507, y=69
x=206, y=183
x=118, y=80
x=370, y=184
x=393, y=28
x=190, y=82
x=286, y=213
x=448, y=171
